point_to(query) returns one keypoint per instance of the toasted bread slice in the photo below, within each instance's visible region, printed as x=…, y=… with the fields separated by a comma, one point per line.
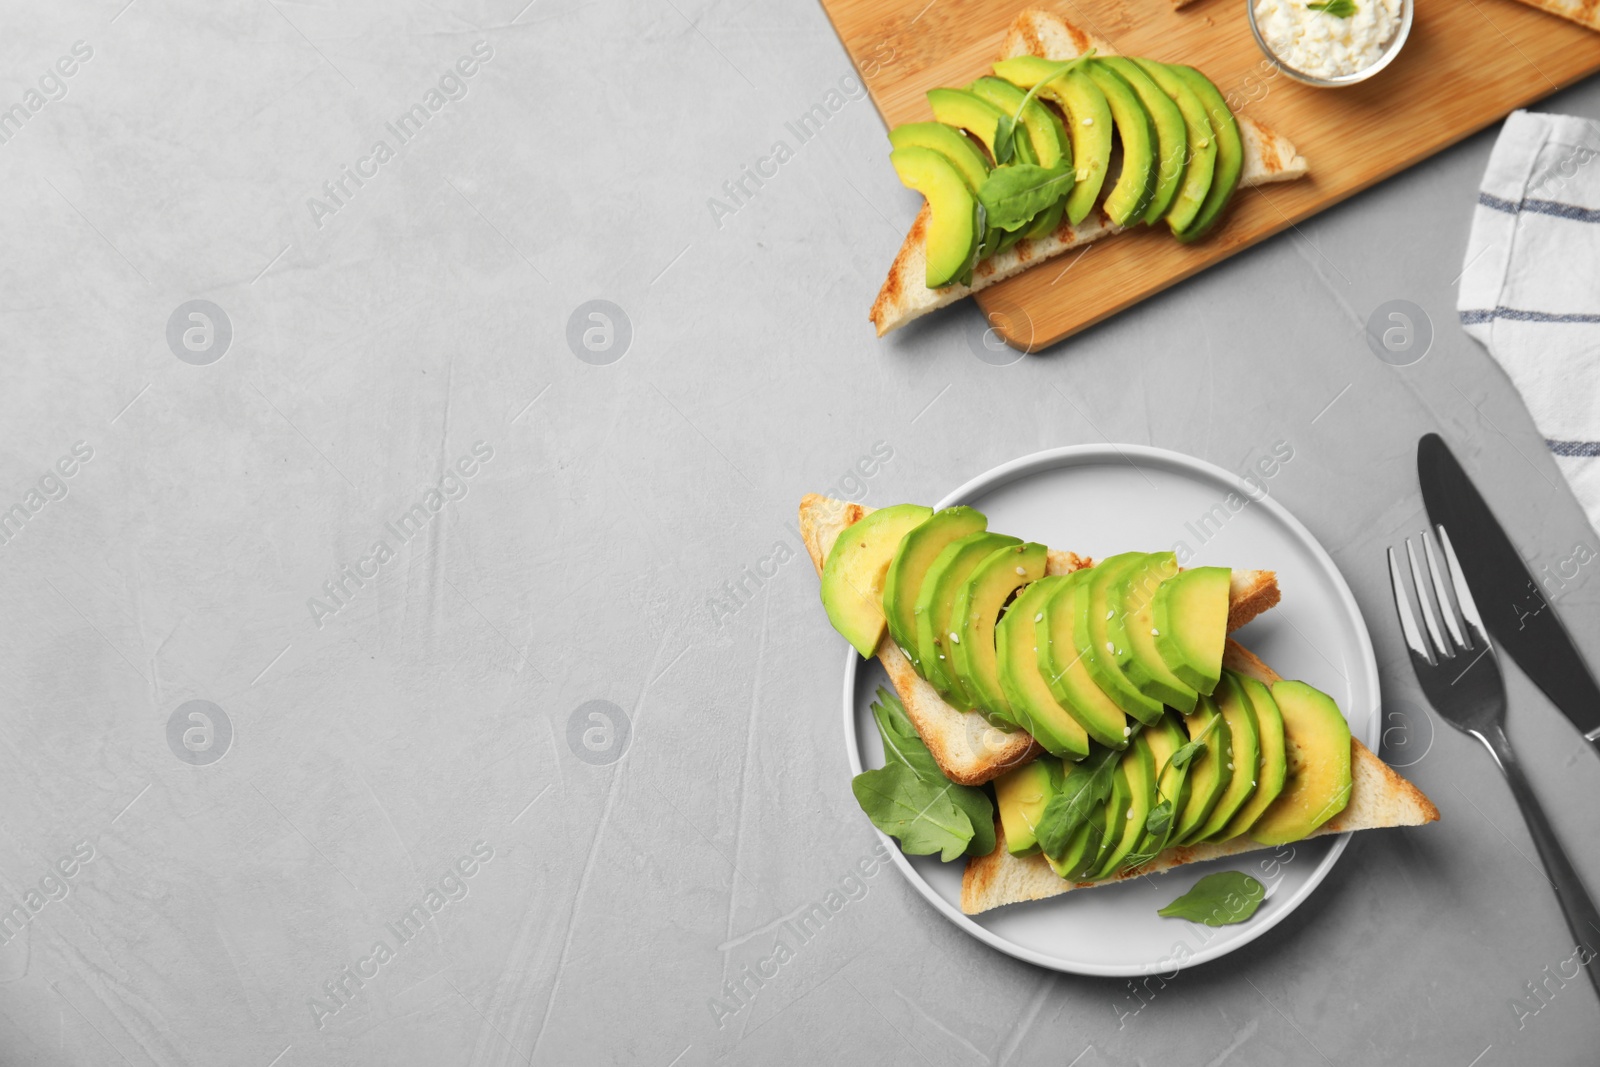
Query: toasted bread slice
x=1378, y=797
x=906, y=296
x=967, y=749
x=1583, y=12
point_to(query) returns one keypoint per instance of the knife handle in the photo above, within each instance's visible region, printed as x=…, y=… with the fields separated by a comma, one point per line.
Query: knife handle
x=1576, y=905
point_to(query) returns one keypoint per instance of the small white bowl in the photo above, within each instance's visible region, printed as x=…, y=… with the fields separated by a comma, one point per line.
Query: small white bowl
x=1392, y=49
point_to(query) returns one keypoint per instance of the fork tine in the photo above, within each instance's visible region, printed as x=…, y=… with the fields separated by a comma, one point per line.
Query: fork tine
x=1469, y=607
x=1441, y=588
x=1429, y=618
x=1408, y=617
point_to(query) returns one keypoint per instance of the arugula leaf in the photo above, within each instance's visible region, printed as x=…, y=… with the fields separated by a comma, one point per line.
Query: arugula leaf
x=920, y=814
x=1006, y=130
x=1159, y=821
x=1012, y=196
x=1218, y=900
x=909, y=798
x=1339, y=9
x=1181, y=758
x=1088, y=784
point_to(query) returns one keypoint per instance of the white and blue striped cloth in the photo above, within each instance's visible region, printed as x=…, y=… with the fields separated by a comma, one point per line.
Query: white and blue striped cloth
x=1531, y=287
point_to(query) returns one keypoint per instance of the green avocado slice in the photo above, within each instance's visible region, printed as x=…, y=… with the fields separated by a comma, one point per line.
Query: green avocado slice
x=1132, y=630
x=936, y=602
x=1172, y=135
x=1191, y=624
x=1230, y=153
x=1033, y=704
x=1065, y=671
x=1130, y=197
x=1271, y=767
x=959, y=108
x=1020, y=795
x=1242, y=754
x=1045, y=134
x=972, y=620
x=917, y=551
x=953, y=231
x=1099, y=652
x=1201, y=161
x=1137, y=767
x=948, y=142
x=1316, y=786
x=1089, y=123
x=854, y=574
x=1208, y=771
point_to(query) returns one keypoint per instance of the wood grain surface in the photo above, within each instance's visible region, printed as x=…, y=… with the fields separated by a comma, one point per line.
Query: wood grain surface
x=1467, y=64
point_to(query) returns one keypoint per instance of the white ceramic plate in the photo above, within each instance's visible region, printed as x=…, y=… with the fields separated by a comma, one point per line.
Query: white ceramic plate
x=1098, y=500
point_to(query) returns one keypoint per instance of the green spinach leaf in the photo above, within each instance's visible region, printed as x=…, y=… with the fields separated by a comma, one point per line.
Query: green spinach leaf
x=1218, y=900
x=1087, y=784
x=1012, y=196
x=910, y=799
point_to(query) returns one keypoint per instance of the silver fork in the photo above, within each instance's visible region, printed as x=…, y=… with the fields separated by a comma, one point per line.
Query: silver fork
x=1456, y=665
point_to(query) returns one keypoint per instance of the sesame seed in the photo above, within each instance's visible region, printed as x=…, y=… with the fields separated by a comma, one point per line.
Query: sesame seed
x=1126, y=730
x=1022, y=572
x=1110, y=612
x=1110, y=647
x=1154, y=632
x=1088, y=120
x=1039, y=617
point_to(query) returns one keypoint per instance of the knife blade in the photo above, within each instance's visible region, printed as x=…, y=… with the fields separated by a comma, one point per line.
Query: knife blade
x=1514, y=608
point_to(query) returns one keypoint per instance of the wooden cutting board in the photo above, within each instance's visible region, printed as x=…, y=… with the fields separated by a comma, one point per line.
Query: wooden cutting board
x=1467, y=64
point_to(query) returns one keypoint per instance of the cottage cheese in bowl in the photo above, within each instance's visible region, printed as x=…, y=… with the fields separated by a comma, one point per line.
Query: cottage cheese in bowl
x=1327, y=43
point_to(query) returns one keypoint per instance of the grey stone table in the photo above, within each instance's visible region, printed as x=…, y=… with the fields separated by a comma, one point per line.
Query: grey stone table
x=509, y=770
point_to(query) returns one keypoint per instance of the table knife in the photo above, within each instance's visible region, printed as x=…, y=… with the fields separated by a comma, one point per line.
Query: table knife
x=1515, y=609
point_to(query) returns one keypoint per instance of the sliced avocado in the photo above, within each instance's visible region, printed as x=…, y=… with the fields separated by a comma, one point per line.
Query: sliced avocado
x=1201, y=160
x=959, y=108
x=936, y=601
x=1046, y=136
x=917, y=551
x=1139, y=769
x=1099, y=652
x=1164, y=738
x=1172, y=136
x=953, y=228
x=1088, y=121
x=1191, y=624
x=948, y=142
x=1230, y=153
x=1132, y=630
x=853, y=576
x=1130, y=197
x=1316, y=786
x=1106, y=824
x=1065, y=671
x=1208, y=771
x=1021, y=794
x=1243, y=754
x=1033, y=705
x=1270, y=767
x=973, y=618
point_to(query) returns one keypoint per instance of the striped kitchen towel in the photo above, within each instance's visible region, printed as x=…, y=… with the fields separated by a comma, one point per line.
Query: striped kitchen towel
x=1531, y=287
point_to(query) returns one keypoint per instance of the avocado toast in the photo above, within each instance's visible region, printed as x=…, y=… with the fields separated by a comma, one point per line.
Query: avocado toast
x=1182, y=153
x=1123, y=731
